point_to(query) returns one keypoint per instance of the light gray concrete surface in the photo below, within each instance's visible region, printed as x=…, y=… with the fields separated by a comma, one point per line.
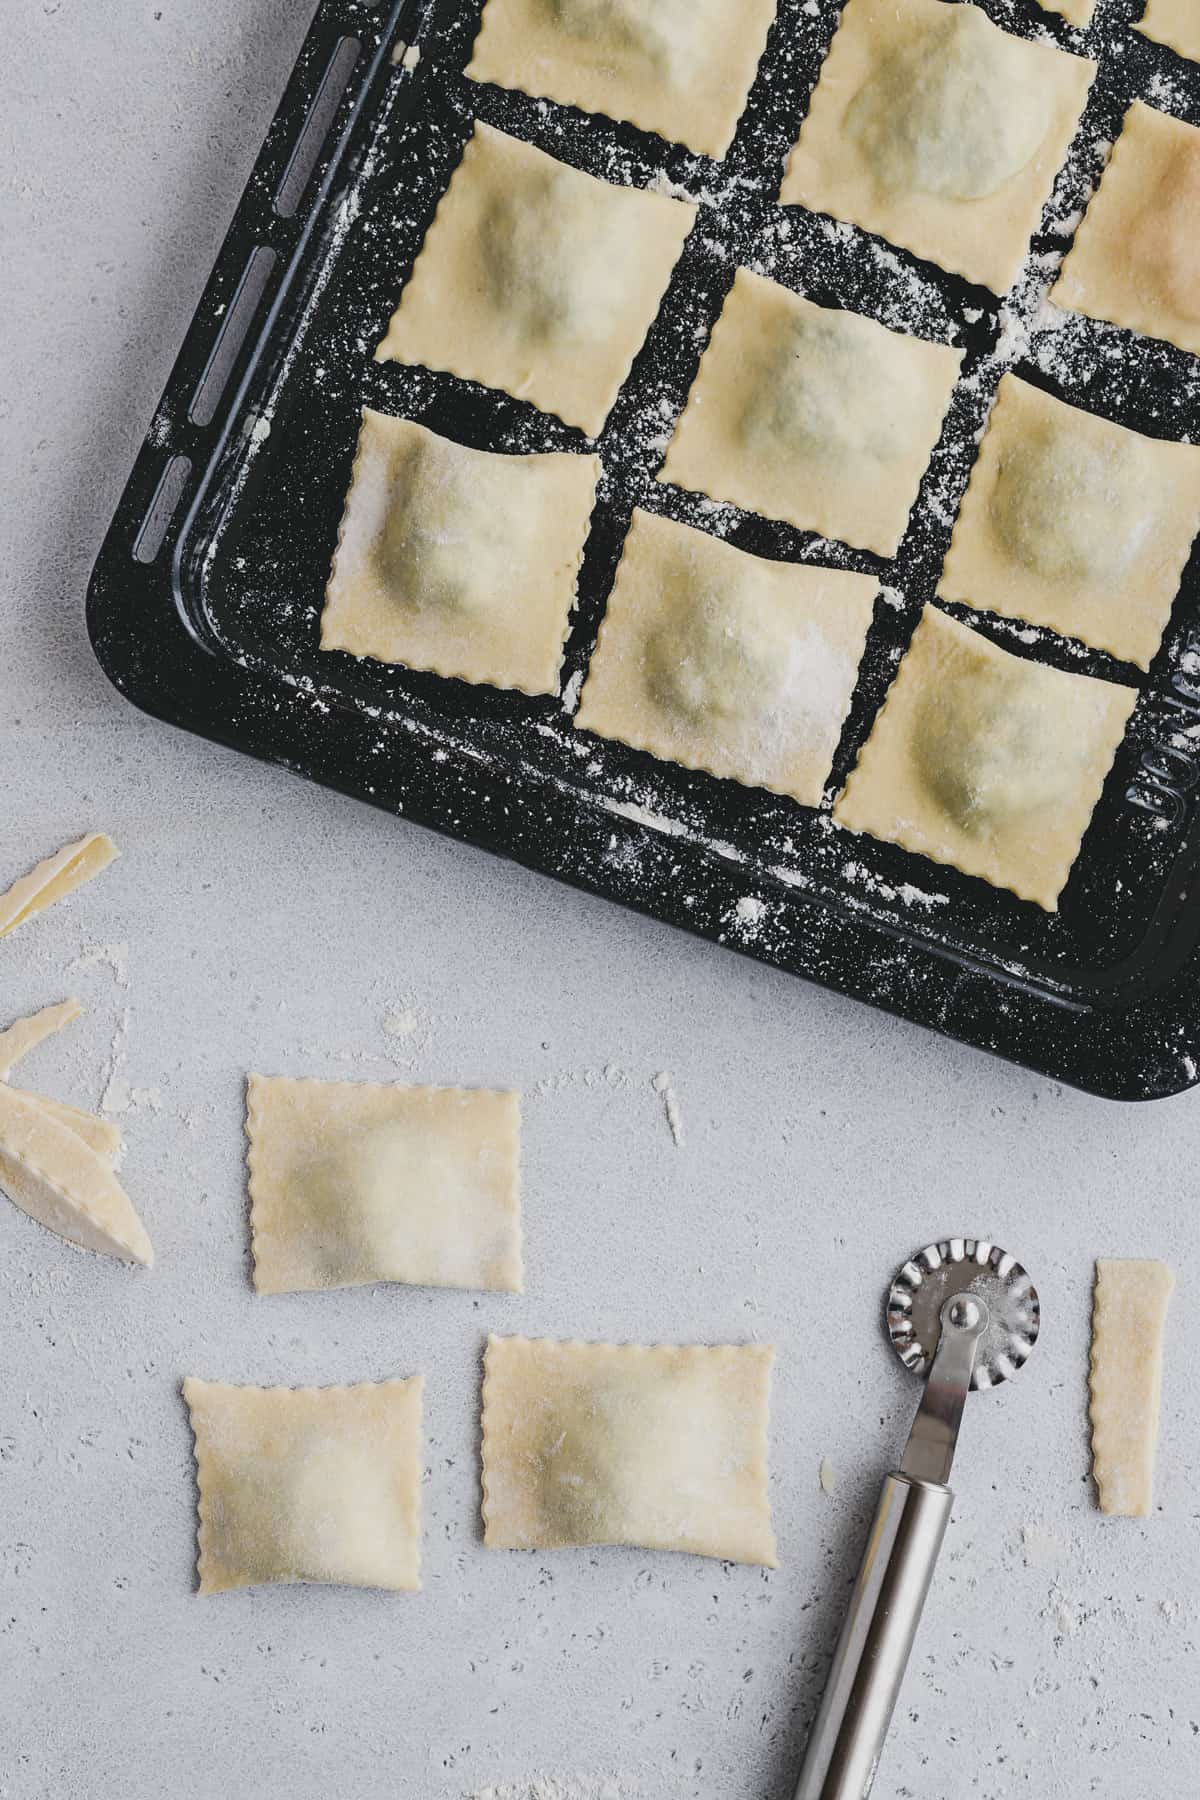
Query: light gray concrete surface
x=254, y=921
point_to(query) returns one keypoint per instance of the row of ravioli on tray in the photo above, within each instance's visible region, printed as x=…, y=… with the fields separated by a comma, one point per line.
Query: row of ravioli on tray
x=939, y=132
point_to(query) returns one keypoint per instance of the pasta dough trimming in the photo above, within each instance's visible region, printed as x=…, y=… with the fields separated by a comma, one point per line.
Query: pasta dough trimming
x=812, y=415
x=458, y=560
x=986, y=761
x=308, y=1484
x=939, y=131
x=1136, y=257
x=662, y=1447
x=57, y=1161
x=727, y=662
x=55, y=878
x=1175, y=23
x=1075, y=12
x=681, y=68
x=1128, y=1319
x=1076, y=523
x=537, y=279
x=353, y=1182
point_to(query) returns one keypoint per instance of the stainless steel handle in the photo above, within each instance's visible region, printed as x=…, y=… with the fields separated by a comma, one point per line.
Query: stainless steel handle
x=846, y=1741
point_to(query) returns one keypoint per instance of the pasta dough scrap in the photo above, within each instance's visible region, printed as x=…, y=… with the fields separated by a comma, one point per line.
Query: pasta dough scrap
x=815, y=416
x=1136, y=257
x=538, y=279
x=727, y=662
x=308, y=1484
x=1175, y=23
x=986, y=761
x=458, y=560
x=662, y=1447
x=50, y=1171
x=939, y=131
x=1128, y=1320
x=353, y=1182
x=1076, y=523
x=55, y=878
x=1075, y=12
x=100, y=1135
x=681, y=68
x=26, y=1034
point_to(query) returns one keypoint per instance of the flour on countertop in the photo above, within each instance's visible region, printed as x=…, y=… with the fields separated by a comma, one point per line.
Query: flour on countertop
x=661, y=1083
x=107, y=956
x=560, y=1787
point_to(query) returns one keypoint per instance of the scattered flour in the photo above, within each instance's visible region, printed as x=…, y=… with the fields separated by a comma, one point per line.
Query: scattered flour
x=107, y=956
x=560, y=1787
x=661, y=1083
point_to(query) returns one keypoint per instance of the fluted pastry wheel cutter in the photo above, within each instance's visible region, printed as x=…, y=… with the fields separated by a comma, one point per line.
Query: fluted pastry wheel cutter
x=964, y=1314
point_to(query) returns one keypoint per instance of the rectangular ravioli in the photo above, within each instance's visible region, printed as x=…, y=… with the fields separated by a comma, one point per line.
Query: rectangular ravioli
x=663, y=1447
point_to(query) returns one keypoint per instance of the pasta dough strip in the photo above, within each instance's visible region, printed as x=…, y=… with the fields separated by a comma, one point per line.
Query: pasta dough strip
x=48, y=1170
x=55, y=878
x=1128, y=1319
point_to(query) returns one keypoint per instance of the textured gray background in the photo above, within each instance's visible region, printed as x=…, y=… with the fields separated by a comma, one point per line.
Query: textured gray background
x=269, y=924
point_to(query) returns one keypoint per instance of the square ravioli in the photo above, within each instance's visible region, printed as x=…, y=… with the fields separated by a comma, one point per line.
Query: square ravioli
x=308, y=1484
x=937, y=130
x=1076, y=523
x=727, y=662
x=458, y=561
x=986, y=761
x=1175, y=23
x=353, y=1182
x=811, y=415
x=681, y=68
x=537, y=279
x=1136, y=257
x=662, y=1447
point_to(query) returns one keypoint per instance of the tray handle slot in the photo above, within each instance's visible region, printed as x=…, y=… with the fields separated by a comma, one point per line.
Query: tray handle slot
x=315, y=130
x=162, y=508
x=232, y=335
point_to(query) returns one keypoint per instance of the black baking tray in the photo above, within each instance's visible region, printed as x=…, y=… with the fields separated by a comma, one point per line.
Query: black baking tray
x=204, y=603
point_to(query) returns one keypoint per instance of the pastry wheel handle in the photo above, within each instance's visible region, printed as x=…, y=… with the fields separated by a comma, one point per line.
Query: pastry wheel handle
x=847, y=1737
x=897, y=1567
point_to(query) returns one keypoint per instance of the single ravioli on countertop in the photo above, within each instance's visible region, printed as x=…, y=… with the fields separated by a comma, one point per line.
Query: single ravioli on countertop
x=354, y=1182
x=940, y=132
x=458, y=561
x=1136, y=257
x=986, y=761
x=719, y=660
x=308, y=1484
x=1076, y=523
x=663, y=1447
x=1175, y=23
x=537, y=279
x=812, y=415
x=681, y=68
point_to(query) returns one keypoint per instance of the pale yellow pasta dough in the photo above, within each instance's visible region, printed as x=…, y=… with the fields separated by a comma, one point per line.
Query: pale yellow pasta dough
x=1076, y=523
x=1136, y=257
x=55, y=878
x=815, y=416
x=986, y=761
x=458, y=560
x=662, y=1447
x=308, y=1484
x=538, y=279
x=681, y=68
x=353, y=1182
x=939, y=131
x=1175, y=23
x=62, y=1176
x=1128, y=1320
x=727, y=662
x=1075, y=12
